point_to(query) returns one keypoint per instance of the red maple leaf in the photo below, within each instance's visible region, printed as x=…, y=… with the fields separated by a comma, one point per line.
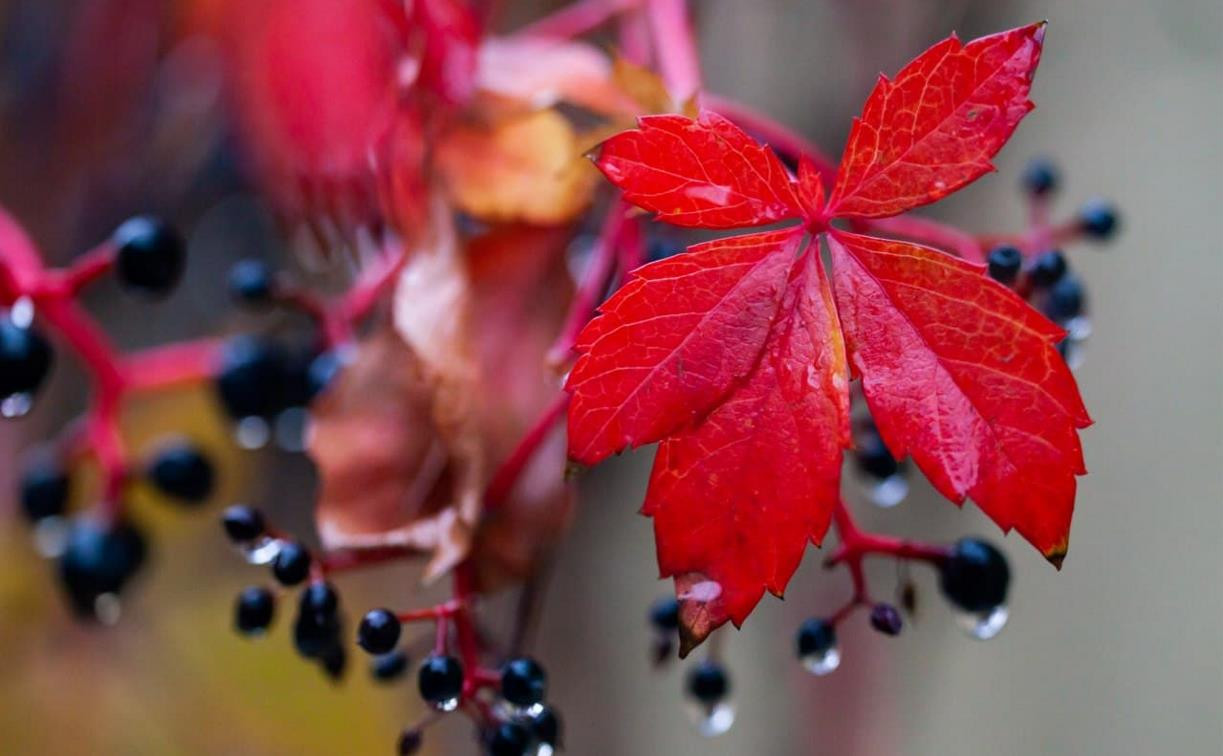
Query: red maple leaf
x=736, y=354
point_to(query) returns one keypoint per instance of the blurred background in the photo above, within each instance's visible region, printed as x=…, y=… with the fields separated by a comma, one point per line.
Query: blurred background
x=1116, y=654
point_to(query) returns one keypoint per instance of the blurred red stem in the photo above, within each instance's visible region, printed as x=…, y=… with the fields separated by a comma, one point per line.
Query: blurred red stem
x=577, y=18
x=675, y=47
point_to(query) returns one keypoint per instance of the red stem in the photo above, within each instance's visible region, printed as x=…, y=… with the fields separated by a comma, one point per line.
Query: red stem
x=577, y=19
x=511, y=469
x=675, y=47
x=595, y=281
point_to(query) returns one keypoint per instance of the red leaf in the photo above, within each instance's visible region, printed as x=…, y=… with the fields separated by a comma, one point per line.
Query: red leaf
x=705, y=173
x=671, y=342
x=961, y=373
x=935, y=128
x=736, y=498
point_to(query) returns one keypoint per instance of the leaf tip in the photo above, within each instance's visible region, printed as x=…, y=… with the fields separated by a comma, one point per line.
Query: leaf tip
x=1057, y=555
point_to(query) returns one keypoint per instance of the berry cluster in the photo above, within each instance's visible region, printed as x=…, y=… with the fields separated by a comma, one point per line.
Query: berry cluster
x=97, y=546
x=508, y=704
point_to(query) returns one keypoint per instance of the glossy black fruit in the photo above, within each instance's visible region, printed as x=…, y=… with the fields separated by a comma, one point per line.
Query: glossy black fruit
x=45, y=489
x=509, y=739
x=1048, y=268
x=254, y=610
x=243, y=524
x=1098, y=219
x=440, y=679
x=379, y=631
x=1004, y=263
x=25, y=359
x=388, y=667
x=99, y=558
x=815, y=637
x=975, y=577
x=251, y=282
x=523, y=682
x=664, y=614
x=150, y=255
x=251, y=378
x=708, y=682
x=1040, y=177
x=292, y=564
x=1066, y=299
x=320, y=601
x=181, y=470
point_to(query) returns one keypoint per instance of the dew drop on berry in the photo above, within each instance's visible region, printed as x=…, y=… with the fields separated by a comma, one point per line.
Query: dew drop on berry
x=984, y=625
x=16, y=405
x=262, y=550
x=712, y=719
x=446, y=705
x=21, y=314
x=822, y=662
x=107, y=609
x=51, y=537
x=890, y=491
x=252, y=433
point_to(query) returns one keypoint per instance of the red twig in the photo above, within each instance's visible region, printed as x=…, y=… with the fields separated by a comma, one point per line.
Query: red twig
x=675, y=47
x=511, y=469
x=595, y=281
x=577, y=19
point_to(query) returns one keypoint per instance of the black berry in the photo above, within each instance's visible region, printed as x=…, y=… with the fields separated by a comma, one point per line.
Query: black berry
x=379, y=631
x=251, y=282
x=334, y=660
x=523, y=682
x=292, y=563
x=251, y=378
x=1066, y=299
x=44, y=490
x=182, y=471
x=1098, y=219
x=664, y=614
x=320, y=601
x=25, y=359
x=1048, y=268
x=708, y=682
x=546, y=726
x=509, y=739
x=873, y=457
x=1004, y=263
x=253, y=610
x=440, y=679
x=388, y=667
x=975, y=577
x=815, y=637
x=316, y=636
x=99, y=558
x=1040, y=177
x=150, y=255
x=243, y=524
x=886, y=619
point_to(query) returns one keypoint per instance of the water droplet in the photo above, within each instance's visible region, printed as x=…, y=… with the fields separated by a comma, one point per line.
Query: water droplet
x=1078, y=328
x=712, y=719
x=448, y=705
x=544, y=749
x=890, y=491
x=822, y=663
x=260, y=551
x=21, y=314
x=252, y=433
x=291, y=429
x=107, y=609
x=51, y=537
x=16, y=405
x=985, y=625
